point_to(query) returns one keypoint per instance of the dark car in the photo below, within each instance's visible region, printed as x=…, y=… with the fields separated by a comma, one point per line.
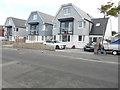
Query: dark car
x=89, y=46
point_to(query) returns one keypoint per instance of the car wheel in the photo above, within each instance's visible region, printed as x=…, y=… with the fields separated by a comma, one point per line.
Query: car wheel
x=114, y=52
x=84, y=49
x=57, y=47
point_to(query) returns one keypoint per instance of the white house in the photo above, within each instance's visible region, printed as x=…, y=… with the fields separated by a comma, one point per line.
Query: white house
x=73, y=26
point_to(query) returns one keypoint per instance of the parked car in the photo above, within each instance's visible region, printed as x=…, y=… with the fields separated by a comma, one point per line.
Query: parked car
x=89, y=46
x=113, y=47
x=55, y=44
x=4, y=40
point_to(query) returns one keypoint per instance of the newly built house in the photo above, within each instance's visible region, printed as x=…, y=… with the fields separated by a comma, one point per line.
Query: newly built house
x=14, y=29
x=39, y=27
x=73, y=26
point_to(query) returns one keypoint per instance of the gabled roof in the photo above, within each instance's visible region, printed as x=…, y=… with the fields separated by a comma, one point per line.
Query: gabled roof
x=46, y=17
x=102, y=24
x=82, y=13
x=18, y=22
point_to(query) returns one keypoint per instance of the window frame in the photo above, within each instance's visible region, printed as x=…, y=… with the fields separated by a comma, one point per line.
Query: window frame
x=79, y=38
x=67, y=11
x=54, y=26
x=34, y=17
x=83, y=24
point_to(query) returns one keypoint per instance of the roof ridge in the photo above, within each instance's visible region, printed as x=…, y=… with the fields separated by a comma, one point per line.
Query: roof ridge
x=17, y=18
x=45, y=13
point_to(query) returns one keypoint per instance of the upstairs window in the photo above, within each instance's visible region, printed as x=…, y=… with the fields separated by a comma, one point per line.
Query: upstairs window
x=97, y=24
x=44, y=27
x=67, y=11
x=34, y=17
x=54, y=26
x=81, y=24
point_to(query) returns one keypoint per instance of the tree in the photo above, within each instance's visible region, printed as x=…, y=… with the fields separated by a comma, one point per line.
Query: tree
x=109, y=10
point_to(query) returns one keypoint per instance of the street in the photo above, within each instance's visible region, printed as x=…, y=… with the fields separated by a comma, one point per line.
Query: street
x=29, y=68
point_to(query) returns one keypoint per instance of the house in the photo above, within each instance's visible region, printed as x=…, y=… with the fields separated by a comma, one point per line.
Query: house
x=14, y=29
x=39, y=27
x=1, y=32
x=100, y=29
x=72, y=26
x=119, y=19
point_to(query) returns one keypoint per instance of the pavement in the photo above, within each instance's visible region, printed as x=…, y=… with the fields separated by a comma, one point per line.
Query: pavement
x=29, y=68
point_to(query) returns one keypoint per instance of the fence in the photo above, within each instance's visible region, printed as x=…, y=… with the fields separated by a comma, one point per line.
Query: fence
x=20, y=40
x=34, y=46
x=6, y=42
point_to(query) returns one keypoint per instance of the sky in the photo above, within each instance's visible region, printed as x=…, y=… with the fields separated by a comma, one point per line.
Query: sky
x=22, y=8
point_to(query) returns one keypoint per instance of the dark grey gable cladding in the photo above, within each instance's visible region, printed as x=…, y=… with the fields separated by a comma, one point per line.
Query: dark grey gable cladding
x=19, y=22
x=98, y=30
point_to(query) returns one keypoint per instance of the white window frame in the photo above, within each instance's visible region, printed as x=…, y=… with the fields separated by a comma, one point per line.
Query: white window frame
x=34, y=17
x=54, y=26
x=43, y=27
x=67, y=8
x=83, y=25
x=98, y=24
x=83, y=38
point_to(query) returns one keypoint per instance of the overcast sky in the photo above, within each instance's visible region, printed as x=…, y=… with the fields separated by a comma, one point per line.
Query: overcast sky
x=22, y=8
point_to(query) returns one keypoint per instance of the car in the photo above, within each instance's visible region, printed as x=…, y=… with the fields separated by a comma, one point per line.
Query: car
x=55, y=44
x=89, y=46
x=4, y=40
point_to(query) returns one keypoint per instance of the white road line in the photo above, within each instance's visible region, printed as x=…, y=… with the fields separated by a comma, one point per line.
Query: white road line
x=83, y=59
x=9, y=63
x=74, y=52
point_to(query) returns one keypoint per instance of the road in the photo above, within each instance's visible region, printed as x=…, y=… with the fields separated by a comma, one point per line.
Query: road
x=28, y=68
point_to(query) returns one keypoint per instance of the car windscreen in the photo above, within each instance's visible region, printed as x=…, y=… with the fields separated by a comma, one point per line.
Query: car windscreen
x=56, y=42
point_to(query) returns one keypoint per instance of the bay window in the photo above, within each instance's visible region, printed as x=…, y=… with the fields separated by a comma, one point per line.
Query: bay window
x=67, y=27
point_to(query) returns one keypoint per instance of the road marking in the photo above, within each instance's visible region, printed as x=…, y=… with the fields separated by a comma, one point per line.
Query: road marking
x=83, y=59
x=76, y=51
x=9, y=63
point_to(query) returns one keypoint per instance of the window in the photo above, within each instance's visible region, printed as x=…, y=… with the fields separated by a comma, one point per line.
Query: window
x=34, y=17
x=66, y=38
x=54, y=37
x=95, y=39
x=83, y=37
x=42, y=38
x=81, y=24
x=54, y=26
x=70, y=27
x=32, y=38
x=44, y=27
x=79, y=38
x=16, y=29
x=67, y=11
x=98, y=24
x=67, y=27
x=60, y=38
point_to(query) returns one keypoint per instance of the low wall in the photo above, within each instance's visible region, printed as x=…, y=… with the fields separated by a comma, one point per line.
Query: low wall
x=20, y=40
x=34, y=46
x=6, y=42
